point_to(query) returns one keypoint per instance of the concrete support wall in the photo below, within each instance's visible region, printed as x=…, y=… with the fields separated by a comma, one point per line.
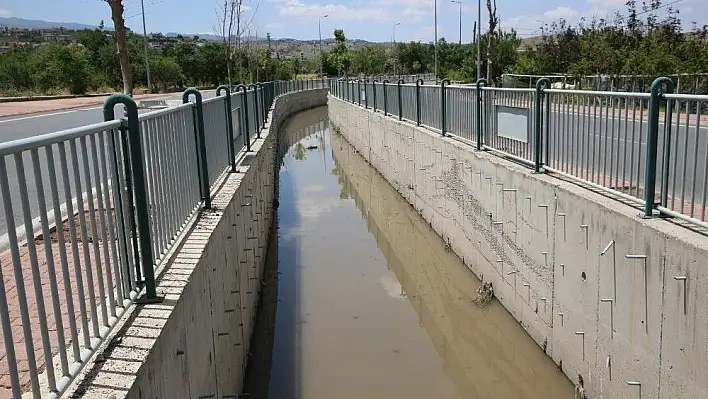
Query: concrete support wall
x=554, y=251
x=195, y=344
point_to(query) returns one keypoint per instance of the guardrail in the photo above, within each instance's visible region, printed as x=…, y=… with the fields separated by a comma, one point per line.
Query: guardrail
x=112, y=200
x=648, y=148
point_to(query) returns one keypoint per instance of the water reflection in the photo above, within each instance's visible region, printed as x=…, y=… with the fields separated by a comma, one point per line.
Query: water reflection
x=352, y=257
x=485, y=351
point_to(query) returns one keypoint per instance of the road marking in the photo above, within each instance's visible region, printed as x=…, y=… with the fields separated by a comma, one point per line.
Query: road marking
x=52, y=114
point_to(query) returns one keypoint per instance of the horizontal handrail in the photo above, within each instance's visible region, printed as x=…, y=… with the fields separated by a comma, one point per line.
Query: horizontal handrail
x=25, y=144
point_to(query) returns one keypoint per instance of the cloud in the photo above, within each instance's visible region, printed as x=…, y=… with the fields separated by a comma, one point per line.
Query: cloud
x=526, y=23
x=296, y=9
x=560, y=12
x=415, y=9
x=5, y=12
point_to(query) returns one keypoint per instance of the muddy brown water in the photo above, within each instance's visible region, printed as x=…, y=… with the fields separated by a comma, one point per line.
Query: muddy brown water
x=363, y=300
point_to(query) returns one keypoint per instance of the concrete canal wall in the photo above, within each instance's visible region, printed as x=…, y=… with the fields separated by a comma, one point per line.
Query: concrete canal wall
x=613, y=299
x=195, y=344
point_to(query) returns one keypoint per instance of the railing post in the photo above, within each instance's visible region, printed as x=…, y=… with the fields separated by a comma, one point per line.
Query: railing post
x=244, y=100
x=200, y=144
x=366, y=97
x=541, y=84
x=385, y=99
x=373, y=90
x=358, y=91
x=653, y=140
x=400, y=101
x=418, y=83
x=261, y=104
x=229, y=125
x=481, y=82
x=443, y=105
x=140, y=191
x=264, y=98
x=255, y=105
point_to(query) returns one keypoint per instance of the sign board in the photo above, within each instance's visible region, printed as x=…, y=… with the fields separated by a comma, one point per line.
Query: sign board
x=513, y=123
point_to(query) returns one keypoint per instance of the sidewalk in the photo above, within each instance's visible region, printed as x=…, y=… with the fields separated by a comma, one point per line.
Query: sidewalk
x=33, y=107
x=8, y=279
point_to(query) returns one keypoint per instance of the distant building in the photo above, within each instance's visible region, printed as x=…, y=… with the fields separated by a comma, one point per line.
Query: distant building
x=57, y=37
x=160, y=41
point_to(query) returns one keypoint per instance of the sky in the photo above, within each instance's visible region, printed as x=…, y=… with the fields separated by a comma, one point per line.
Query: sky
x=374, y=20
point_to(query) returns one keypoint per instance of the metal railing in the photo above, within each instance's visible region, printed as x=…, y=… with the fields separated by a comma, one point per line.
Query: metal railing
x=648, y=148
x=111, y=201
x=427, y=77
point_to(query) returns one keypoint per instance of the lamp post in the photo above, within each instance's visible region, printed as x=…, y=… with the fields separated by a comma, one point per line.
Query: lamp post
x=479, y=39
x=393, y=47
x=319, y=28
x=460, y=3
x=435, y=67
x=145, y=46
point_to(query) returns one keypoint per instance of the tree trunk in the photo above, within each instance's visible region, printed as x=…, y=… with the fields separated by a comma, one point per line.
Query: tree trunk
x=490, y=58
x=491, y=43
x=119, y=26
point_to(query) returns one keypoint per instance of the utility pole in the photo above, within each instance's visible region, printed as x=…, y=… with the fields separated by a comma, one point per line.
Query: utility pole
x=319, y=28
x=436, y=43
x=267, y=58
x=145, y=46
x=393, y=47
x=479, y=39
x=460, y=3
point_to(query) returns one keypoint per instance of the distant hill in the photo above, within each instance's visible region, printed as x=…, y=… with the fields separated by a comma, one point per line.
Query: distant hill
x=532, y=42
x=13, y=22
x=21, y=23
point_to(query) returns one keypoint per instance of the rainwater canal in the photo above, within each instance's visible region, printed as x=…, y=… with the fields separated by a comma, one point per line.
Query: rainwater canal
x=363, y=300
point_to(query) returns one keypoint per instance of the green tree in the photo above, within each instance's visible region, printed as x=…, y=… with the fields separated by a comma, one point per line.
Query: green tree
x=167, y=72
x=55, y=66
x=340, y=56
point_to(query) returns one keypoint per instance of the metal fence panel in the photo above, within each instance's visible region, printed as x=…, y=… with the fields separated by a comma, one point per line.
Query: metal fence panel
x=73, y=273
x=599, y=137
x=172, y=172
x=682, y=180
x=461, y=103
x=500, y=106
x=392, y=99
x=408, y=101
x=216, y=136
x=430, y=106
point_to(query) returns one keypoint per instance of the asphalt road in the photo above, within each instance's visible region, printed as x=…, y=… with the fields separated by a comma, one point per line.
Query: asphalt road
x=611, y=151
x=25, y=126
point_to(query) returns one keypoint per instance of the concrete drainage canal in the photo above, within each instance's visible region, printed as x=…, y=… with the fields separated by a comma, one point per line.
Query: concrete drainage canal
x=362, y=299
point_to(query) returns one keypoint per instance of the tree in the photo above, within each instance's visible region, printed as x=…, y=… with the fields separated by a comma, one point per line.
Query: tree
x=340, y=56
x=233, y=22
x=121, y=44
x=491, y=53
x=167, y=72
